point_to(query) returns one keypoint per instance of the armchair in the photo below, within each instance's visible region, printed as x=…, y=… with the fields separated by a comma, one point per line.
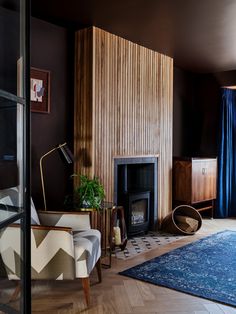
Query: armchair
x=63, y=246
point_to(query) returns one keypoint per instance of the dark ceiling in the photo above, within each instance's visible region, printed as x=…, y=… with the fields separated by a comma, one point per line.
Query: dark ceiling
x=199, y=34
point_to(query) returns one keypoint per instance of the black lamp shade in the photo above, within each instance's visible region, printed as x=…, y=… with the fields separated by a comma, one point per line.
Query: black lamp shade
x=66, y=154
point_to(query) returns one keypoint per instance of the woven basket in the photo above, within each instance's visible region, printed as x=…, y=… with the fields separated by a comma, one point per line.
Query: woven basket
x=169, y=223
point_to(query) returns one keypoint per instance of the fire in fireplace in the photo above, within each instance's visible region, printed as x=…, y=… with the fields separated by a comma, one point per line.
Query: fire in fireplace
x=137, y=210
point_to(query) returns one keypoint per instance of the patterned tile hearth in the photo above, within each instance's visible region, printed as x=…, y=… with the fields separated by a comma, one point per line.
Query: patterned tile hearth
x=144, y=243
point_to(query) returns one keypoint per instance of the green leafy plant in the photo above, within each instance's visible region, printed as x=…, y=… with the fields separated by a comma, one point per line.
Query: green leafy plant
x=90, y=193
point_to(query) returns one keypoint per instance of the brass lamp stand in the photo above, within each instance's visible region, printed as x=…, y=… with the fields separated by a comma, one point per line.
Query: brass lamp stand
x=67, y=156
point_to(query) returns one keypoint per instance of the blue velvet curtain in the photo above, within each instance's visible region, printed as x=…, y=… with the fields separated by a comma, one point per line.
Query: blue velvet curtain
x=226, y=203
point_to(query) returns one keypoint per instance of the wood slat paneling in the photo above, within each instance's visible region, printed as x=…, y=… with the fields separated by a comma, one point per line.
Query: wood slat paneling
x=83, y=124
x=123, y=106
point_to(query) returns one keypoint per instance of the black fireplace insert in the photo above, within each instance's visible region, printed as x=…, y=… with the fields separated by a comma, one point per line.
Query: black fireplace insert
x=137, y=211
x=136, y=189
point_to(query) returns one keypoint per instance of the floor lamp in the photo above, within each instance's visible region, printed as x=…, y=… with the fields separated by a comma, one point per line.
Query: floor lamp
x=65, y=154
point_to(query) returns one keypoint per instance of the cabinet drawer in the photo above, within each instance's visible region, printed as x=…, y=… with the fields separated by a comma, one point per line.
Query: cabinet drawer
x=203, y=180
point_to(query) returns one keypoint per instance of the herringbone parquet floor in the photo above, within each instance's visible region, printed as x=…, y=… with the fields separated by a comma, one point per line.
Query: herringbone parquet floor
x=118, y=294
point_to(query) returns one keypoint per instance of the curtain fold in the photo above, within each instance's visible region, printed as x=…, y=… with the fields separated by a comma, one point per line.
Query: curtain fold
x=226, y=199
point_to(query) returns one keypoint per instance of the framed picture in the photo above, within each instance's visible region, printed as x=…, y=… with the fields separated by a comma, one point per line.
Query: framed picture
x=40, y=90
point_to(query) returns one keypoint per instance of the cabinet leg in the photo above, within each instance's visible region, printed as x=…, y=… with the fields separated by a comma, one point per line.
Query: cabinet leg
x=212, y=209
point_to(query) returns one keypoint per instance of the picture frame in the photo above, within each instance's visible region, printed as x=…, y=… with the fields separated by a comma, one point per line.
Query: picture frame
x=40, y=90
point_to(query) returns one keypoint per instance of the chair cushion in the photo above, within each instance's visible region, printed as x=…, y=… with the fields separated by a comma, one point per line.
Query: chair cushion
x=87, y=251
x=10, y=197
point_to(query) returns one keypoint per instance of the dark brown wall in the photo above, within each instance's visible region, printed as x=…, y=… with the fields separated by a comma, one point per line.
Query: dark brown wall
x=189, y=114
x=207, y=104
x=50, y=50
x=182, y=108
x=227, y=78
x=9, y=54
x=197, y=111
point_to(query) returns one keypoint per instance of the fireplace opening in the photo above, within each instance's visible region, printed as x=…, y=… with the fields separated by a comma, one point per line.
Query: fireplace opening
x=136, y=189
x=137, y=212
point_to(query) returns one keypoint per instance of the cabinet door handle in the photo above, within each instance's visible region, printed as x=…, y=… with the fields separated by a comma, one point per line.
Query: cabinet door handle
x=204, y=171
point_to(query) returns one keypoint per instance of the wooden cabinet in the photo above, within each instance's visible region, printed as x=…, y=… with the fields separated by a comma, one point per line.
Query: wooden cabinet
x=194, y=182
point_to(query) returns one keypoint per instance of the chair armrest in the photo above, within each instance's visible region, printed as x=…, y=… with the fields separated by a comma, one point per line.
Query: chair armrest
x=78, y=221
x=40, y=227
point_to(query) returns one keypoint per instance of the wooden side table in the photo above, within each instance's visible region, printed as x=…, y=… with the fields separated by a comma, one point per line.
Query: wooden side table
x=118, y=220
x=101, y=220
x=105, y=220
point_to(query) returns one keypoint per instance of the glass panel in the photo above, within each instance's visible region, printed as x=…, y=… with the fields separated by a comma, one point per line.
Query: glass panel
x=11, y=158
x=14, y=245
x=139, y=211
x=10, y=42
x=10, y=269
x=8, y=111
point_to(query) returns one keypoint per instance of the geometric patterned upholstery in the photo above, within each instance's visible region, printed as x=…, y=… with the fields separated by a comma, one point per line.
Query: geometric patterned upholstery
x=63, y=245
x=87, y=251
x=87, y=241
x=56, y=253
x=78, y=221
x=10, y=197
x=51, y=257
x=34, y=215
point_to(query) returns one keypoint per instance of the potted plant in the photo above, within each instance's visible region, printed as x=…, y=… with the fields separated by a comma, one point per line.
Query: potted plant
x=89, y=194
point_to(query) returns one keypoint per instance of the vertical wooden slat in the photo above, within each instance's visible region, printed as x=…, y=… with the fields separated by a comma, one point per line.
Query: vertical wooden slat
x=83, y=98
x=123, y=106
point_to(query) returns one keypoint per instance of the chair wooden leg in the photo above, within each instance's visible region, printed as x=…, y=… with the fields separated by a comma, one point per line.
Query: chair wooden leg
x=99, y=270
x=16, y=292
x=86, y=288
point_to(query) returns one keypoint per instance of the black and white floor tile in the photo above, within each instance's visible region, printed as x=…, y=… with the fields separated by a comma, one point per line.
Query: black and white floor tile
x=140, y=244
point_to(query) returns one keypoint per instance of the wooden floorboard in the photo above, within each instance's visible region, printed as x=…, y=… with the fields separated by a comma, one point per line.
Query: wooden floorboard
x=121, y=295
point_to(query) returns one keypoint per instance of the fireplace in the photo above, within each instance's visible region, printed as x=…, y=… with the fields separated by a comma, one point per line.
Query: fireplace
x=137, y=212
x=135, y=188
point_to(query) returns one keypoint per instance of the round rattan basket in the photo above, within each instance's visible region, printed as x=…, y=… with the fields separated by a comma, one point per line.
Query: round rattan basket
x=169, y=223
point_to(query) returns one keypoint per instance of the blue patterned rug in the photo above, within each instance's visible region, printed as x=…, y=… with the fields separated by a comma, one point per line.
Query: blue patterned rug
x=205, y=268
